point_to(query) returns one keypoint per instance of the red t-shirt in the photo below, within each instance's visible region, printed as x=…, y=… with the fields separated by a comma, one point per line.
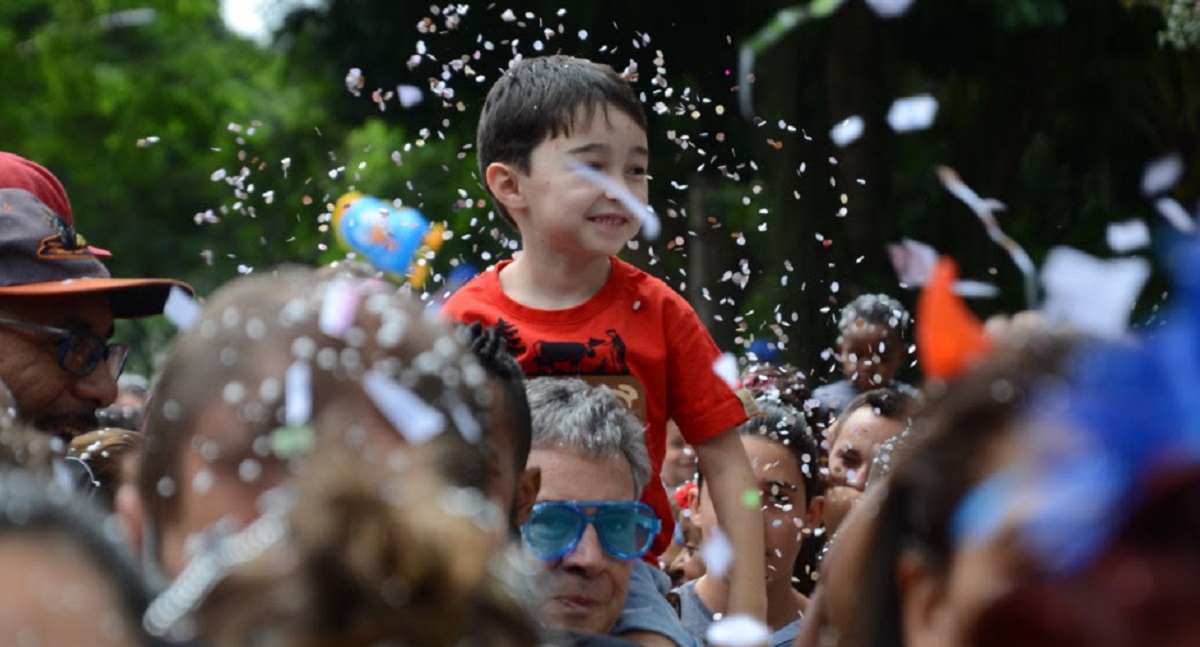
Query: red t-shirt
x=635, y=326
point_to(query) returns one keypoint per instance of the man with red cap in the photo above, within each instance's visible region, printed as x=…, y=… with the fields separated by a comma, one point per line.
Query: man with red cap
x=57, y=305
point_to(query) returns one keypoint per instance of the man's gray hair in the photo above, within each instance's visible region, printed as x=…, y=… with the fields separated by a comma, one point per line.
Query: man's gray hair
x=592, y=420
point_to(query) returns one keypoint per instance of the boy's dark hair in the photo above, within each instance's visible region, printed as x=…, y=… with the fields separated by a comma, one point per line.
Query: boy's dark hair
x=877, y=309
x=538, y=98
x=886, y=402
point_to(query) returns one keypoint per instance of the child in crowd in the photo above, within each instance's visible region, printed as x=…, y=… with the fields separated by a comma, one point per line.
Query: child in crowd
x=679, y=463
x=872, y=345
x=868, y=421
x=568, y=306
x=682, y=561
x=784, y=458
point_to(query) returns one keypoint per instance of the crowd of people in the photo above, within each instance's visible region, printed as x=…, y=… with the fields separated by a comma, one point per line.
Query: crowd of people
x=552, y=458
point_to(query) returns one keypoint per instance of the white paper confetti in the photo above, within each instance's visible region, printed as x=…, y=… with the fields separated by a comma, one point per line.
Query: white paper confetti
x=717, y=553
x=889, y=8
x=1128, y=236
x=355, y=81
x=738, y=630
x=1071, y=279
x=650, y=224
x=726, y=368
x=1161, y=174
x=409, y=414
x=339, y=308
x=409, y=95
x=847, y=132
x=985, y=209
x=181, y=309
x=913, y=113
x=913, y=261
x=969, y=289
x=1176, y=214
x=297, y=385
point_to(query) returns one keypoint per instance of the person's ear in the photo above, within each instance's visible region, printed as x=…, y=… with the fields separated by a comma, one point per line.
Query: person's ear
x=923, y=612
x=131, y=512
x=815, y=513
x=504, y=181
x=528, y=485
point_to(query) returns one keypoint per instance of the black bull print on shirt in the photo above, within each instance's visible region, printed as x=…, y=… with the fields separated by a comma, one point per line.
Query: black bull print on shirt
x=594, y=356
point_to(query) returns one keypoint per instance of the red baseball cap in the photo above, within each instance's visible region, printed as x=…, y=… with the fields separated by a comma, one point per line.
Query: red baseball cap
x=42, y=255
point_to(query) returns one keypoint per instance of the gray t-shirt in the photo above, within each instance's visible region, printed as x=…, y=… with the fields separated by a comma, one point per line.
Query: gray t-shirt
x=696, y=618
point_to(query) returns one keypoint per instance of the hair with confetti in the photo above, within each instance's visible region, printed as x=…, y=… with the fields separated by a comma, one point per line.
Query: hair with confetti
x=366, y=562
x=886, y=402
x=784, y=424
x=875, y=309
x=293, y=353
x=545, y=97
x=592, y=420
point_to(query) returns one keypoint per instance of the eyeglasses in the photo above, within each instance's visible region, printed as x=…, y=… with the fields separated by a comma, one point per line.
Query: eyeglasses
x=79, y=353
x=626, y=528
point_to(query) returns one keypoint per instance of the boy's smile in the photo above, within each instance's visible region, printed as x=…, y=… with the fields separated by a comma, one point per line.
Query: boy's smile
x=563, y=214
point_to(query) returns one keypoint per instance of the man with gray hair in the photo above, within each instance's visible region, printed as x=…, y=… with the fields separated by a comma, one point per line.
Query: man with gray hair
x=587, y=524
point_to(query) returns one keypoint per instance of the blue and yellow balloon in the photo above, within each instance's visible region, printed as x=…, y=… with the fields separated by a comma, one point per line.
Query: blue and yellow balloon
x=393, y=240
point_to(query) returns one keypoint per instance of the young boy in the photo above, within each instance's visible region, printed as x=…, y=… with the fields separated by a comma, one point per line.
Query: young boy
x=784, y=458
x=568, y=306
x=871, y=346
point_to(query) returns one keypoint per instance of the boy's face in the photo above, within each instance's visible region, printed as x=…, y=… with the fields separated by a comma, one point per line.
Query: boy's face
x=679, y=464
x=558, y=212
x=870, y=354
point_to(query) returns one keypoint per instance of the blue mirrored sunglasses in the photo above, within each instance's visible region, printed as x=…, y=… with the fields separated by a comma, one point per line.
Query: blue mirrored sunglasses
x=79, y=353
x=626, y=529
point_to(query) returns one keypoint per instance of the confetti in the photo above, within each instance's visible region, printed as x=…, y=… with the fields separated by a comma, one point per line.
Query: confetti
x=409, y=414
x=355, y=81
x=1161, y=174
x=650, y=223
x=297, y=394
x=752, y=499
x=726, y=368
x=890, y=8
x=1071, y=278
x=913, y=113
x=409, y=95
x=339, y=308
x=1128, y=236
x=737, y=631
x=181, y=309
x=847, y=132
x=1175, y=214
x=717, y=553
x=984, y=209
x=914, y=262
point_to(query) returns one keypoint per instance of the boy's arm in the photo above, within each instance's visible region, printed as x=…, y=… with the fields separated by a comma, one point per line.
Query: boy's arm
x=729, y=479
